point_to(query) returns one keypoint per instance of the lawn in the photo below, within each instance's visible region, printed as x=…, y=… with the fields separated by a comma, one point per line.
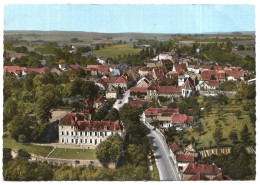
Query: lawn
x=119, y=49
x=228, y=121
x=68, y=153
x=30, y=148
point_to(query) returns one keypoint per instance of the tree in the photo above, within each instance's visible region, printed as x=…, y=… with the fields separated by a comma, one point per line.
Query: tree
x=218, y=135
x=113, y=115
x=233, y=136
x=245, y=135
x=155, y=123
x=97, y=47
x=110, y=150
x=238, y=113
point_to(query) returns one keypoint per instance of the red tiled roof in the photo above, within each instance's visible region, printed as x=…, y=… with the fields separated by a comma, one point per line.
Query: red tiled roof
x=149, y=77
x=14, y=56
x=219, y=67
x=70, y=118
x=13, y=69
x=156, y=111
x=187, y=85
x=185, y=158
x=213, y=83
x=206, y=67
x=102, y=81
x=180, y=67
x=137, y=103
x=110, y=79
x=138, y=89
x=169, y=89
x=121, y=79
x=145, y=69
x=220, y=177
x=151, y=86
x=202, y=168
x=99, y=126
x=74, y=66
x=175, y=147
x=37, y=70
x=165, y=62
x=101, y=99
x=181, y=118
x=235, y=74
x=102, y=58
x=198, y=176
x=135, y=68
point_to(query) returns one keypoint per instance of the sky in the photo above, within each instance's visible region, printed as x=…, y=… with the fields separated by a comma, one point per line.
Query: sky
x=167, y=18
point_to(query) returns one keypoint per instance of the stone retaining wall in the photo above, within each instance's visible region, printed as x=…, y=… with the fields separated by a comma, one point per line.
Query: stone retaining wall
x=72, y=162
x=217, y=92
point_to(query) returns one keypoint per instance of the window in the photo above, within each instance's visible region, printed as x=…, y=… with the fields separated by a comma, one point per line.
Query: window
x=86, y=133
x=72, y=140
x=90, y=133
x=62, y=140
x=62, y=126
x=95, y=141
x=80, y=141
x=67, y=133
x=86, y=141
x=105, y=133
x=95, y=133
x=72, y=133
x=90, y=140
x=62, y=133
x=76, y=141
x=71, y=127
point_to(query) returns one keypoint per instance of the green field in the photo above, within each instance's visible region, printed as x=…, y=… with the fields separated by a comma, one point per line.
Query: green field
x=68, y=153
x=30, y=148
x=119, y=49
x=229, y=121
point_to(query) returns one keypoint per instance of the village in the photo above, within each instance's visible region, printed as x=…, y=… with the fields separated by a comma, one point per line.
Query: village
x=164, y=78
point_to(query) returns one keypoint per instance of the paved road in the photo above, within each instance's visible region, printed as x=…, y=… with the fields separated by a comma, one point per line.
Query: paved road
x=123, y=101
x=166, y=168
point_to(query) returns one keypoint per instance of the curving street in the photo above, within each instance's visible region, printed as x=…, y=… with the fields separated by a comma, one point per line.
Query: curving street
x=167, y=170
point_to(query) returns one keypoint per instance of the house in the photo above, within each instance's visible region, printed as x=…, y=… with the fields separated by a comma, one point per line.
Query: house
x=13, y=57
x=112, y=92
x=17, y=70
x=176, y=148
x=180, y=121
x=184, y=159
x=28, y=71
x=102, y=59
x=187, y=88
x=198, y=176
x=208, y=85
x=179, y=68
x=163, y=56
x=208, y=75
x=73, y=129
x=56, y=70
x=98, y=103
x=143, y=82
x=191, y=150
x=159, y=72
x=235, y=75
x=221, y=177
x=62, y=66
x=163, y=115
x=209, y=170
x=145, y=71
x=194, y=69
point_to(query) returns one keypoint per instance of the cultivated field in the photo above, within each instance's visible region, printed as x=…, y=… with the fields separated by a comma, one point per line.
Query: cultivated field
x=229, y=121
x=119, y=49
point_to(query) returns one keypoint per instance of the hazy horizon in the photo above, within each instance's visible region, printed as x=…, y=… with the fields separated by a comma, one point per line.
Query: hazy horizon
x=154, y=19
